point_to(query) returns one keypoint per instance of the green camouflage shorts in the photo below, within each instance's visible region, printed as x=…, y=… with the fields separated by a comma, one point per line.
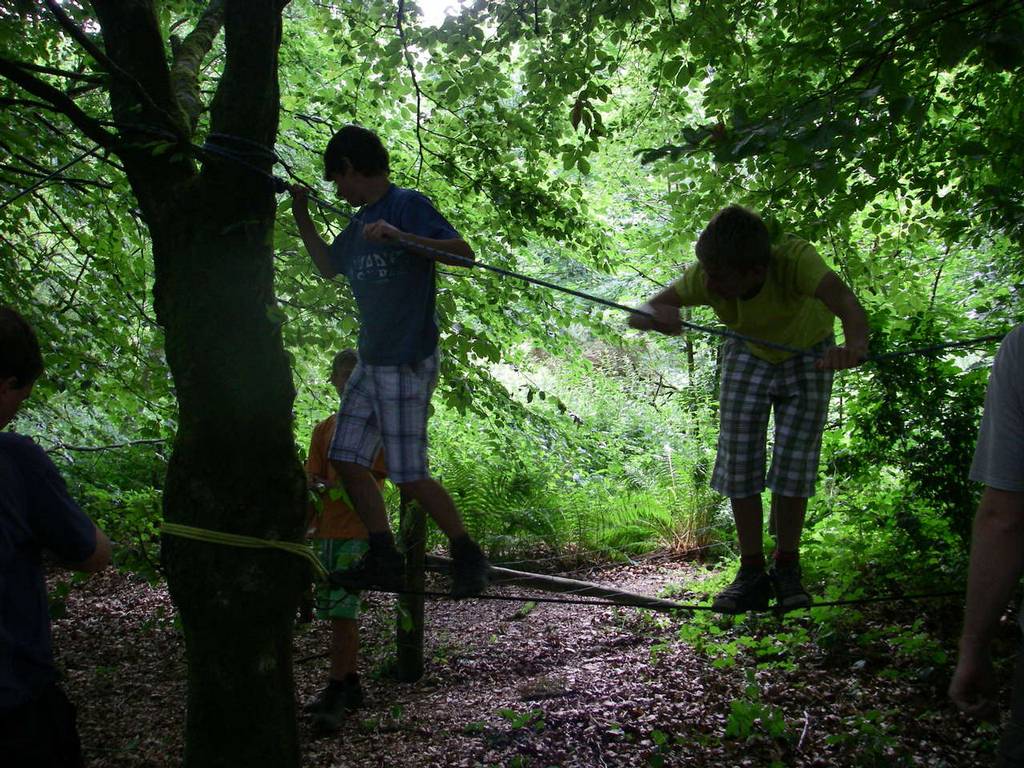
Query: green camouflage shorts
x=339, y=555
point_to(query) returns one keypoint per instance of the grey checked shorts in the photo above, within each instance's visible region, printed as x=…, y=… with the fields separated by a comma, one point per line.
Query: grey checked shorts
x=751, y=387
x=387, y=404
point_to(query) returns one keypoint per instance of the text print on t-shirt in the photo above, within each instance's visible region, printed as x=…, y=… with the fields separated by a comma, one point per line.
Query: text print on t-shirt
x=379, y=266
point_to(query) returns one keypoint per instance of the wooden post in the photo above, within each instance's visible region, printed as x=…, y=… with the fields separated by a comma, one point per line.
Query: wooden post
x=412, y=532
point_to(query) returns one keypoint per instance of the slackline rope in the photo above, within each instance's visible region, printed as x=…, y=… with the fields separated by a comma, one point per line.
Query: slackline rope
x=303, y=551
x=890, y=598
x=250, y=542
x=216, y=148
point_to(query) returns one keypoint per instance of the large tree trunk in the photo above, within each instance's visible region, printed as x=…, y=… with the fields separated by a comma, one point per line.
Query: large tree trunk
x=234, y=467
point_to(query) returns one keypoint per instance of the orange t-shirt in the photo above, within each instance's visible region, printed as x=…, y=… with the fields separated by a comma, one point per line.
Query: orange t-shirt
x=336, y=519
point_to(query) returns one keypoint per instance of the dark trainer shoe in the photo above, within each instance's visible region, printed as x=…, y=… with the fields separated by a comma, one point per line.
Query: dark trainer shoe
x=789, y=592
x=750, y=591
x=315, y=704
x=334, y=702
x=470, y=569
x=380, y=568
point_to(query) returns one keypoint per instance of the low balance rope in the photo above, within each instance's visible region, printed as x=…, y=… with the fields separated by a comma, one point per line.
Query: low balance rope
x=608, y=602
x=303, y=551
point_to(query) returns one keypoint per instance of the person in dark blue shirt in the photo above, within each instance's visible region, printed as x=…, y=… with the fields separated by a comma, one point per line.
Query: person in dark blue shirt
x=37, y=722
x=388, y=253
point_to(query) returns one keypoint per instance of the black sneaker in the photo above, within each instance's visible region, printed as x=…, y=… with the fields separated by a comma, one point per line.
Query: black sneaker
x=334, y=702
x=318, y=702
x=750, y=591
x=789, y=592
x=470, y=569
x=380, y=568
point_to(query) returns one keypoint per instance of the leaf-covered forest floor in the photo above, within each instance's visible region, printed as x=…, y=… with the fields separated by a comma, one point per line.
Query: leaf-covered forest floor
x=559, y=685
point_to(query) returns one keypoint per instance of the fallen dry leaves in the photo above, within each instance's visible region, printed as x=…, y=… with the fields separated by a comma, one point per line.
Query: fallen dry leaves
x=558, y=685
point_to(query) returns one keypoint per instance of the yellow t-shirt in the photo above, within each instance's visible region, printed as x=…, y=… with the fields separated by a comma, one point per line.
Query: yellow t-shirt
x=336, y=519
x=784, y=311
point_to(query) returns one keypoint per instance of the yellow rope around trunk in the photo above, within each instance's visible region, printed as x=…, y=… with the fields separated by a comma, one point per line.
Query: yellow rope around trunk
x=249, y=542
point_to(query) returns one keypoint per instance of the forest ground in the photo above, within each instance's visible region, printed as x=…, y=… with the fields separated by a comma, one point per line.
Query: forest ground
x=561, y=685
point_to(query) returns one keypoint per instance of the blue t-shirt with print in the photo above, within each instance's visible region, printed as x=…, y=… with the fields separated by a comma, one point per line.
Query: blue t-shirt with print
x=36, y=513
x=395, y=290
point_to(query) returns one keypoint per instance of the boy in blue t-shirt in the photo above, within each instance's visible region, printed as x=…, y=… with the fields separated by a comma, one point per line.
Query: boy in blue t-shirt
x=388, y=252
x=37, y=722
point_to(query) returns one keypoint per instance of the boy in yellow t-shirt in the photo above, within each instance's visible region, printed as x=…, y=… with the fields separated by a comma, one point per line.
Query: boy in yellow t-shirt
x=341, y=537
x=784, y=294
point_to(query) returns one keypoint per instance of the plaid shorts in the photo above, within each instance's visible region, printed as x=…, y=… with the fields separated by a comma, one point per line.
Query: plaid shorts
x=751, y=387
x=389, y=405
x=338, y=555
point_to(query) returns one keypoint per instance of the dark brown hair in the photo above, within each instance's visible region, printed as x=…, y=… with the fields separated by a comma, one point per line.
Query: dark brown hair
x=360, y=147
x=19, y=349
x=735, y=237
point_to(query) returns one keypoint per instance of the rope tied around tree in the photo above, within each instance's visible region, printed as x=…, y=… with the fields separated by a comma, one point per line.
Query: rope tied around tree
x=249, y=542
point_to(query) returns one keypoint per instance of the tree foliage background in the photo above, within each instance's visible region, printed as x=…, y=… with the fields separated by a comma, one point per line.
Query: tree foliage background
x=586, y=143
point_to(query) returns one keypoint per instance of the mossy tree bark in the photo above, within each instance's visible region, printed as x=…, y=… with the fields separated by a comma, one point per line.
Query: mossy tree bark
x=234, y=466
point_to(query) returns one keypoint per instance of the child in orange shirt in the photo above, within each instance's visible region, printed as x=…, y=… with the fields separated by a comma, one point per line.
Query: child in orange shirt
x=341, y=537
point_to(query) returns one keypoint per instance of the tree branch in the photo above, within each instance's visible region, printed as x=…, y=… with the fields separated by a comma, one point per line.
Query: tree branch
x=60, y=72
x=60, y=101
x=247, y=101
x=938, y=277
x=135, y=58
x=73, y=292
x=73, y=181
x=415, y=83
x=26, y=103
x=105, y=61
x=42, y=177
x=81, y=38
x=188, y=58
x=94, y=448
x=647, y=277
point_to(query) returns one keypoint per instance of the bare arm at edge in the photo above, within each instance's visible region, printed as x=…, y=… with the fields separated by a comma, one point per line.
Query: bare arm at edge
x=100, y=557
x=997, y=562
